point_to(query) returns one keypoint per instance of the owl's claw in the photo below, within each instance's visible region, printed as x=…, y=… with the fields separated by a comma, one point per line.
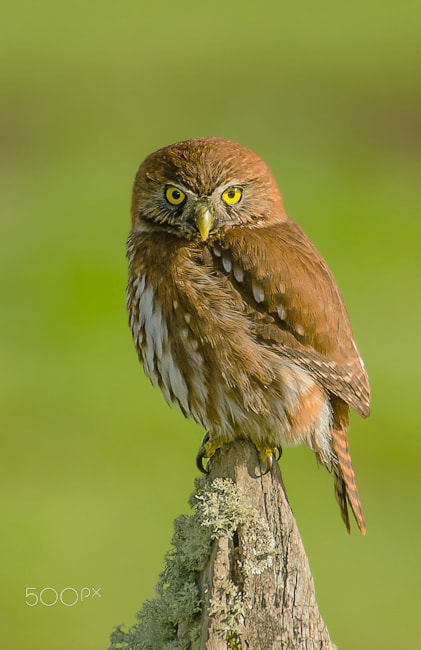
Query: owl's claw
x=207, y=449
x=266, y=456
x=201, y=454
x=269, y=465
x=210, y=445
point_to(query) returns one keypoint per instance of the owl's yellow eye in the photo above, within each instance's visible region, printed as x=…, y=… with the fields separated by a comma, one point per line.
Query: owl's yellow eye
x=174, y=195
x=232, y=195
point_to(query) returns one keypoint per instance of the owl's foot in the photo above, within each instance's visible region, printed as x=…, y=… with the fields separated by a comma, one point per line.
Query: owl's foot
x=210, y=444
x=266, y=456
x=207, y=449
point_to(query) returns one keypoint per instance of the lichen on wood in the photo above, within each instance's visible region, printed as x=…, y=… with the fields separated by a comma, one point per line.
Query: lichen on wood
x=237, y=575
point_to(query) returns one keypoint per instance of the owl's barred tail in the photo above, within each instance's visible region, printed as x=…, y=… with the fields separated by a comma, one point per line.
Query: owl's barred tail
x=345, y=485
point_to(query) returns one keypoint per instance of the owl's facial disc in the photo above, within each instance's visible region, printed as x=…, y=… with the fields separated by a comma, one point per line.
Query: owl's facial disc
x=178, y=207
x=189, y=213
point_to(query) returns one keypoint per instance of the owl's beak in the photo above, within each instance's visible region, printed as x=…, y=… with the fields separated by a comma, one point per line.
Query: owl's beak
x=204, y=219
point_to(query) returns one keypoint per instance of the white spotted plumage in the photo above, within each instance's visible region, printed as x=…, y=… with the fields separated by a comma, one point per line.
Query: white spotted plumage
x=226, y=263
x=149, y=329
x=281, y=312
x=258, y=292
x=238, y=273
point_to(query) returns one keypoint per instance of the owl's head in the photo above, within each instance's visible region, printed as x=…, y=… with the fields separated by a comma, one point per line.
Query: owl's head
x=198, y=187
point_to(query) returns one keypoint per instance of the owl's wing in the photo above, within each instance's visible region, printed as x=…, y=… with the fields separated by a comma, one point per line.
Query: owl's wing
x=295, y=306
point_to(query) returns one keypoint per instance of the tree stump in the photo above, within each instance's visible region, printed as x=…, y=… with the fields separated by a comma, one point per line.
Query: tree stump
x=239, y=576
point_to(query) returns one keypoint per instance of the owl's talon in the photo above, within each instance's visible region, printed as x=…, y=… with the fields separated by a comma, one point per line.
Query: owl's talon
x=201, y=454
x=207, y=449
x=266, y=456
x=199, y=463
x=269, y=465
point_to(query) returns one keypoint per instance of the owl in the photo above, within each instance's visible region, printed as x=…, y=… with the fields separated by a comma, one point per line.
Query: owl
x=234, y=313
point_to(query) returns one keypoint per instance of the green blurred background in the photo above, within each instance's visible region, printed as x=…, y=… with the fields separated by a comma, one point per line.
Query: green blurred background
x=94, y=465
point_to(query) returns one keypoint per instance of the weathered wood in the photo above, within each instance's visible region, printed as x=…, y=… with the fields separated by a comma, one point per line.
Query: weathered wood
x=265, y=560
x=238, y=576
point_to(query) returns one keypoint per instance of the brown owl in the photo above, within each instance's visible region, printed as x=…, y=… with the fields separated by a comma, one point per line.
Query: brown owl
x=235, y=315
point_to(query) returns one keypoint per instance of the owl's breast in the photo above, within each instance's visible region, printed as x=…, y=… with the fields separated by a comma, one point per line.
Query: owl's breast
x=199, y=347
x=189, y=331
x=169, y=352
